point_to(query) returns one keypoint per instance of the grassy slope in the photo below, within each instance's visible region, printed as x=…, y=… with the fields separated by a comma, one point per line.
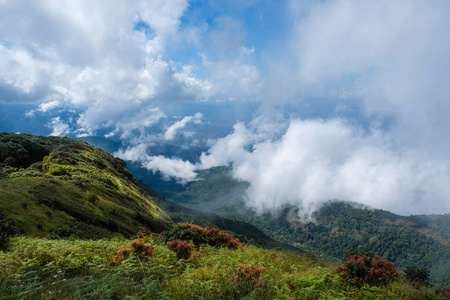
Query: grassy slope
x=51, y=185
x=46, y=183
x=36, y=268
x=421, y=241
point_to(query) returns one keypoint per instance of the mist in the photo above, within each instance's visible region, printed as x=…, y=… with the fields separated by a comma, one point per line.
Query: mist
x=352, y=96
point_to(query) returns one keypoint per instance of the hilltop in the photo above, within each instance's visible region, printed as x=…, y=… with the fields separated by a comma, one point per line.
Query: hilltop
x=63, y=187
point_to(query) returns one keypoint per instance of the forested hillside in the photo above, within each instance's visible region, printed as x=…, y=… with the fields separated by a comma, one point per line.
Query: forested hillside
x=419, y=241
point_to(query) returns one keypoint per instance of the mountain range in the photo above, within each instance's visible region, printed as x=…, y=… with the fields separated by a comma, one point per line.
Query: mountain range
x=61, y=193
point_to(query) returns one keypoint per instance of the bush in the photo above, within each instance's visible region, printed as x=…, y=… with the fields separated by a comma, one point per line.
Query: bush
x=122, y=254
x=419, y=275
x=139, y=248
x=250, y=275
x=200, y=236
x=8, y=229
x=443, y=292
x=360, y=269
x=183, y=249
x=415, y=285
x=143, y=232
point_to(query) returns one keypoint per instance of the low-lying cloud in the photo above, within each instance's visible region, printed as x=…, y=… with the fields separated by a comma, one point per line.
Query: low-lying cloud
x=354, y=93
x=317, y=160
x=392, y=59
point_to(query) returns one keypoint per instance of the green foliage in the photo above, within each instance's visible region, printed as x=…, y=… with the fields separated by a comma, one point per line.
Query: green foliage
x=64, y=187
x=8, y=228
x=35, y=268
x=423, y=241
x=419, y=275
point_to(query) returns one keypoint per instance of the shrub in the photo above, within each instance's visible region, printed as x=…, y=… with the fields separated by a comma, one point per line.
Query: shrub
x=183, y=249
x=415, y=285
x=122, y=254
x=199, y=235
x=250, y=275
x=420, y=275
x=360, y=269
x=8, y=228
x=140, y=248
x=443, y=292
x=143, y=232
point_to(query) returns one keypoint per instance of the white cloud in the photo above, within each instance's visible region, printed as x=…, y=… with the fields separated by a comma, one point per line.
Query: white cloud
x=88, y=55
x=174, y=128
x=135, y=153
x=179, y=169
x=110, y=58
x=316, y=160
x=233, y=79
x=399, y=53
x=59, y=127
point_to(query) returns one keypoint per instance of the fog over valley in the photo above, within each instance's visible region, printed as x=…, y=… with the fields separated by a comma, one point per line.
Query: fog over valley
x=307, y=101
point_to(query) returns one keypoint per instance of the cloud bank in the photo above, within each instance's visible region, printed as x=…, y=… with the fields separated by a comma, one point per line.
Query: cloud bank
x=354, y=93
x=318, y=160
x=110, y=60
x=394, y=58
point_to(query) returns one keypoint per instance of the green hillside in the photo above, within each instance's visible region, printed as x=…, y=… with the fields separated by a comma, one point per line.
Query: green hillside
x=69, y=211
x=418, y=241
x=63, y=187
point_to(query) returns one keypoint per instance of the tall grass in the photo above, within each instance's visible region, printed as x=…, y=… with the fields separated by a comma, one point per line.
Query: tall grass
x=35, y=268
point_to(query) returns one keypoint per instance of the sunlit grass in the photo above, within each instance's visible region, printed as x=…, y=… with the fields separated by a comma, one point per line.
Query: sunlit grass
x=79, y=269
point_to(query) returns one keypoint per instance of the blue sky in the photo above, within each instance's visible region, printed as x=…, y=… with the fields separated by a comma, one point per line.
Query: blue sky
x=342, y=99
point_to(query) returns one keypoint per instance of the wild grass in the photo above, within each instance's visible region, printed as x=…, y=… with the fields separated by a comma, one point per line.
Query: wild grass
x=36, y=268
x=72, y=183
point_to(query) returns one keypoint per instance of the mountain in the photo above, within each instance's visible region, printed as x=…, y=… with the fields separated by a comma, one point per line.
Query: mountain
x=63, y=187
x=418, y=241
x=63, y=195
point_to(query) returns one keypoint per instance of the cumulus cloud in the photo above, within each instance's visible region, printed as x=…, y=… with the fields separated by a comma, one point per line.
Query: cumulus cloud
x=384, y=64
x=174, y=128
x=316, y=160
x=393, y=58
x=181, y=170
x=109, y=59
x=397, y=53
x=59, y=127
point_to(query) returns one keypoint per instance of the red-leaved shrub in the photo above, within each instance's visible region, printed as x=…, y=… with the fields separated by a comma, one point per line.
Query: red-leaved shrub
x=250, y=274
x=182, y=249
x=443, y=292
x=199, y=235
x=138, y=248
x=143, y=232
x=415, y=285
x=141, y=248
x=122, y=254
x=360, y=269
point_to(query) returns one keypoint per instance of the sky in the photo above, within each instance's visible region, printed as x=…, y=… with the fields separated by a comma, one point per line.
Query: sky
x=308, y=100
